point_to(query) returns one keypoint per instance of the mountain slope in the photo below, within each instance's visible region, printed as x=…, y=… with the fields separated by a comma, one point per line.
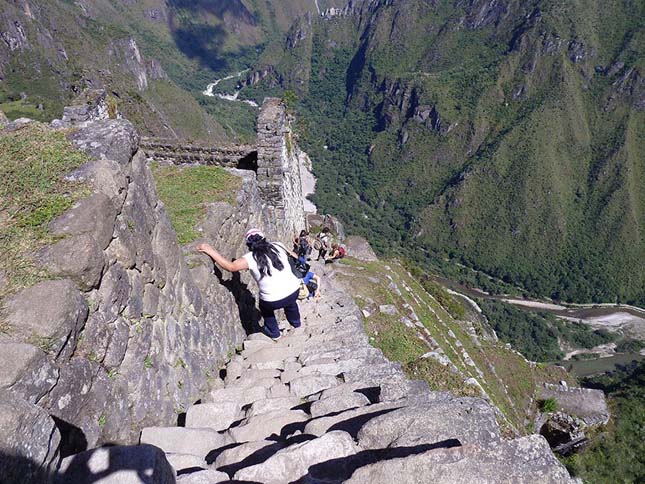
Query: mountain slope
x=507, y=136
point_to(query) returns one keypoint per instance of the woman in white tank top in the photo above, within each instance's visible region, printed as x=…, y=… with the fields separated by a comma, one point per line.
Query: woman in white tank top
x=269, y=266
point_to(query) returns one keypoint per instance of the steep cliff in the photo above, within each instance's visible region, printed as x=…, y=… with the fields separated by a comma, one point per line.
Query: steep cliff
x=127, y=333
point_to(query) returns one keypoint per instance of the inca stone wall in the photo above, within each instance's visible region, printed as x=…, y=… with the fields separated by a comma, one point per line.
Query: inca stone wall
x=172, y=151
x=129, y=332
x=279, y=169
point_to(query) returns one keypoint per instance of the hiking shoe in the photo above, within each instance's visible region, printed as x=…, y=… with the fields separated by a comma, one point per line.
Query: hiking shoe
x=274, y=338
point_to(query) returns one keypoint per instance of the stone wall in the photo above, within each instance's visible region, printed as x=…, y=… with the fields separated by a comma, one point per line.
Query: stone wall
x=276, y=159
x=279, y=169
x=232, y=156
x=128, y=332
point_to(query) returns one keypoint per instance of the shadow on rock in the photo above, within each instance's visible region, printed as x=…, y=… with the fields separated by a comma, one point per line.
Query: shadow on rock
x=343, y=468
x=244, y=299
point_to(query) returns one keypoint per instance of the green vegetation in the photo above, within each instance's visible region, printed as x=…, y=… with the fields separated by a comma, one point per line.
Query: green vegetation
x=147, y=362
x=185, y=191
x=505, y=376
x=102, y=421
x=629, y=346
x=549, y=405
x=618, y=453
x=537, y=334
x=524, y=174
x=33, y=163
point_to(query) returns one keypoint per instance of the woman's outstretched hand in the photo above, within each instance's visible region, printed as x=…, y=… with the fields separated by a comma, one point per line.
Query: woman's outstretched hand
x=203, y=248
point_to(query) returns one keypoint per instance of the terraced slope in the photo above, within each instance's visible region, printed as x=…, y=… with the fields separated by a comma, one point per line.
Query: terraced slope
x=443, y=339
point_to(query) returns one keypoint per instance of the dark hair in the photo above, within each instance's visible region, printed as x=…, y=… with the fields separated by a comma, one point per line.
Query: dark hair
x=325, y=230
x=263, y=252
x=303, y=233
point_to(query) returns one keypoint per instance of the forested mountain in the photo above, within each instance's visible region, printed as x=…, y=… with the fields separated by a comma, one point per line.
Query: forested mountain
x=504, y=136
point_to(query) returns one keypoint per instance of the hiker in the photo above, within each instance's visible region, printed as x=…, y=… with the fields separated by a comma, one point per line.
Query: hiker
x=337, y=252
x=323, y=243
x=312, y=281
x=301, y=246
x=269, y=266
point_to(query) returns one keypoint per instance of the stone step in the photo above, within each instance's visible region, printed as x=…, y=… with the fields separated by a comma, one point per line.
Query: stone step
x=241, y=396
x=208, y=476
x=281, y=423
x=181, y=440
x=216, y=416
x=469, y=420
x=527, y=460
x=182, y=462
x=273, y=404
x=311, y=384
x=293, y=463
x=123, y=462
x=339, y=403
x=260, y=449
x=350, y=420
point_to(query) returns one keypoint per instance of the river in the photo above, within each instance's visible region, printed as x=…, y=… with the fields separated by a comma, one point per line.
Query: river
x=228, y=97
x=629, y=320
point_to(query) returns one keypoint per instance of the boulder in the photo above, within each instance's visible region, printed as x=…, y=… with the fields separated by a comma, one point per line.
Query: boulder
x=216, y=416
x=26, y=370
x=359, y=248
x=78, y=258
x=182, y=440
x=136, y=464
x=527, y=460
x=29, y=441
x=470, y=420
x=113, y=139
x=50, y=314
x=15, y=359
x=94, y=215
x=292, y=463
x=106, y=176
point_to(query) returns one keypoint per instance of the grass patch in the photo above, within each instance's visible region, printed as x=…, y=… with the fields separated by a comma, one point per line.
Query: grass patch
x=20, y=109
x=440, y=377
x=186, y=190
x=33, y=163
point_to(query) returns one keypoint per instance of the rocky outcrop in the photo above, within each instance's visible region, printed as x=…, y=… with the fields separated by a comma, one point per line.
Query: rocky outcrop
x=129, y=332
x=577, y=411
x=92, y=105
x=359, y=248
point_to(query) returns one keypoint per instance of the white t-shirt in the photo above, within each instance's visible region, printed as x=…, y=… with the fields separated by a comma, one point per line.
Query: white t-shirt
x=279, y=284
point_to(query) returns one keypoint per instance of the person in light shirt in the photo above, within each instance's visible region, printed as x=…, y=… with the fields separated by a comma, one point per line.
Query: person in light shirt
x=269, y=266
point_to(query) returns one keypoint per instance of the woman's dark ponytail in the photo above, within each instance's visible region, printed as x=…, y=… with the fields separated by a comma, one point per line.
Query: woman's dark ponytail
x=263, y=252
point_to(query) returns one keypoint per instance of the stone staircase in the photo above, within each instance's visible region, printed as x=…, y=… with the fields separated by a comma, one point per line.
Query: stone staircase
x=321, y=405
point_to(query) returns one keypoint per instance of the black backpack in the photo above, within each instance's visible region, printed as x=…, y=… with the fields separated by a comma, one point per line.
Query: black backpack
x=304, y=249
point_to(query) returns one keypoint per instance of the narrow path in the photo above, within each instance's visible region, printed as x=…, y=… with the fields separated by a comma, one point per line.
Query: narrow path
x=322, y=405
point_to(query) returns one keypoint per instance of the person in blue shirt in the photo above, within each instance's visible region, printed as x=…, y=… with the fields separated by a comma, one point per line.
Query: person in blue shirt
x=312, y=281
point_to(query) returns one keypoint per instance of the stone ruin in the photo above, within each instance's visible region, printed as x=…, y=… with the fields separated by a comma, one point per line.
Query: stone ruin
x=132, y=343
